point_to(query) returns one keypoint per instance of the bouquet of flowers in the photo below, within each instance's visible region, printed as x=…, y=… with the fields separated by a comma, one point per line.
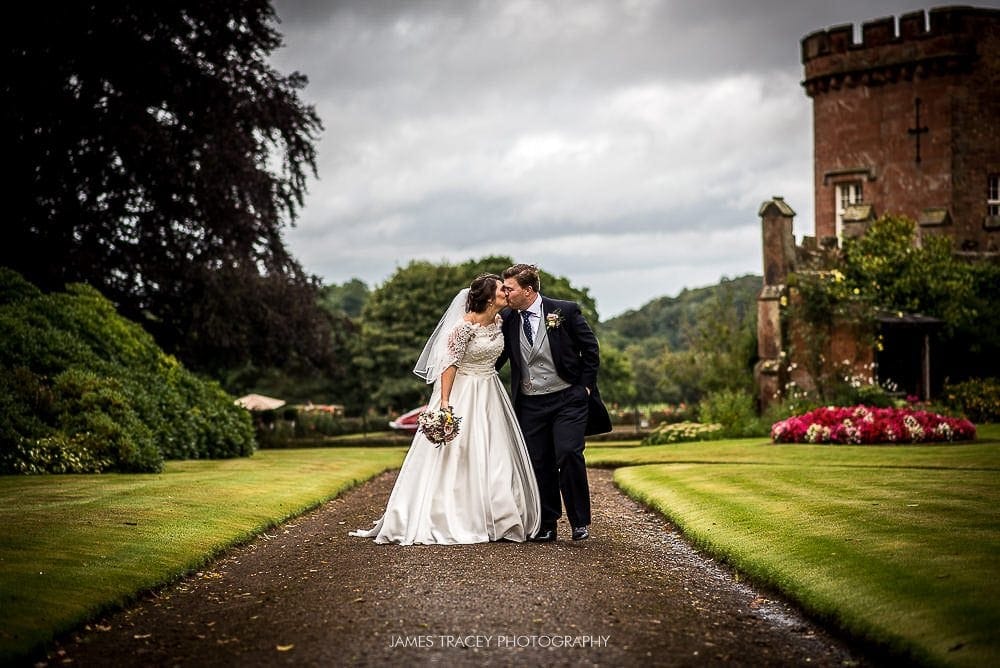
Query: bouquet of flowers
x=439, y=426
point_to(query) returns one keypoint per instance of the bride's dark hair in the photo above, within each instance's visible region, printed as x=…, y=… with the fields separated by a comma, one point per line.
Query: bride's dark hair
x=481, y=292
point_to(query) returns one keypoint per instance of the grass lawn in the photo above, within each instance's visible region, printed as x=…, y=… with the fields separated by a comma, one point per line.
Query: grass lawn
x=72, y=545
x=898, y=545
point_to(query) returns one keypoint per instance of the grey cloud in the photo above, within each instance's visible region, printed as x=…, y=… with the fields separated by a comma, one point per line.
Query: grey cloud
x=627, y=142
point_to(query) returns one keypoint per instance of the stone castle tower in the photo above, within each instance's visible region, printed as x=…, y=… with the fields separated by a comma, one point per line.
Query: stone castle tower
x=907, y=122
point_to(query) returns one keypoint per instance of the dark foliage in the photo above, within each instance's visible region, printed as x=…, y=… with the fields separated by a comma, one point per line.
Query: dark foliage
x=157, y=158
x=85, y=390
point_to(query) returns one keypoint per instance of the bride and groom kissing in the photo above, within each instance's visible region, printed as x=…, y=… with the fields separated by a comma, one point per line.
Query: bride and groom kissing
x=516, y=458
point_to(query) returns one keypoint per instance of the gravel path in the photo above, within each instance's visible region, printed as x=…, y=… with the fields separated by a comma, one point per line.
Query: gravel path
x=307, y=594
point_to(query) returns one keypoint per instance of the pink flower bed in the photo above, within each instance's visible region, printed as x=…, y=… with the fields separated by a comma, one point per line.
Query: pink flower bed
x=863, y=424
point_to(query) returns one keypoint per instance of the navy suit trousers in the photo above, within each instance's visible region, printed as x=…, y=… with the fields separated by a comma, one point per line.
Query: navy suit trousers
x=554, y=426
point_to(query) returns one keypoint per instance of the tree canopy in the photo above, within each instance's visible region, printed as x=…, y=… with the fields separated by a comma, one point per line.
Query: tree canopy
x=894, y=268
x=666, y=320
x=401, y=314
x=683, y=348
x=896, y=272
x=157, y=156
x=347, y=299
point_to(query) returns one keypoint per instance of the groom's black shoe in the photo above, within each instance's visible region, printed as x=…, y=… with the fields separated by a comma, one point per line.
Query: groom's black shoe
x=581, y=533
x=544, y=536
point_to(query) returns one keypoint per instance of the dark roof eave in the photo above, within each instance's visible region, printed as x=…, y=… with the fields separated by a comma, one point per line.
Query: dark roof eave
x=907, y=319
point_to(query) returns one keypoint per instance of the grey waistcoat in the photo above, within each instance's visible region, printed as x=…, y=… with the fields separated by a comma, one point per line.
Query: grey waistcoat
x=539, y=375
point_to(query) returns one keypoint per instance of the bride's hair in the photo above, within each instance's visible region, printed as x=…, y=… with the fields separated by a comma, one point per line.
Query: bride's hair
x=481, y=292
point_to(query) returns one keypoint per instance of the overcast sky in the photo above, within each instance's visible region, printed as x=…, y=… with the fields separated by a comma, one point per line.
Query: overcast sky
x=624, y=144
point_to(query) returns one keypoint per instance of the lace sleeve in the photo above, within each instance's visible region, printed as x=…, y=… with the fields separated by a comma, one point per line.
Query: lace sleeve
x=458, y=342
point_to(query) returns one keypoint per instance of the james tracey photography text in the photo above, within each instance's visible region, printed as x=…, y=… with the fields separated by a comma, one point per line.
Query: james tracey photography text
x=496, y=641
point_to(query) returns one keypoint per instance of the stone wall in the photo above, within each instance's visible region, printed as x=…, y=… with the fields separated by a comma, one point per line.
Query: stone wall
x=785, y=350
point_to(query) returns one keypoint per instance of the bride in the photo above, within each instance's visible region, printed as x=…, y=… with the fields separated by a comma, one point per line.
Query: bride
x=479, y=487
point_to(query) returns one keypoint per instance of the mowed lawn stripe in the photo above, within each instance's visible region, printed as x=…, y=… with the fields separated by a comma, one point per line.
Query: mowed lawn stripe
x=73, y=545
x=905, y=558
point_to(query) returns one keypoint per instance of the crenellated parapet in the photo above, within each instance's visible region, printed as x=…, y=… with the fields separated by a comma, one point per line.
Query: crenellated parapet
x=942, y=41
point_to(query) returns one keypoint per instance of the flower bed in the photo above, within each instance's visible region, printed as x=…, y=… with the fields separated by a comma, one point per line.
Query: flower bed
x=682, y=432
x=863, y=424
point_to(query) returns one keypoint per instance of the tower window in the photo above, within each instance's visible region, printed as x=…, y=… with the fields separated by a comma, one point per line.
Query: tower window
x=993, y=195
x=847, y=193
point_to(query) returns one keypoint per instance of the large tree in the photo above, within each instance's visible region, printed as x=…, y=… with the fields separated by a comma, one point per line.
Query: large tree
x=154, y=153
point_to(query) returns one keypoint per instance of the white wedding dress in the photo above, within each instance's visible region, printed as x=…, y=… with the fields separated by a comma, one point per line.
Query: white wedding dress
x=480, y=487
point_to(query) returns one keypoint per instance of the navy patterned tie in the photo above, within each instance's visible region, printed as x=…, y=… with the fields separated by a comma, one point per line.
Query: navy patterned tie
x=526, y=324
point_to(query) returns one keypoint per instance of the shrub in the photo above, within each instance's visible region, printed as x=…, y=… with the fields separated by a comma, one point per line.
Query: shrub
x=849, y=387
x=52, y=454
x=863, y=424
x=25, y=404
x=653, y=415
x=14, y=287
x=318, y=423
x=735, y=411
x=312, y=427
x=681, y=432
x=83, y=389
x=977, y=399
x=95, y=414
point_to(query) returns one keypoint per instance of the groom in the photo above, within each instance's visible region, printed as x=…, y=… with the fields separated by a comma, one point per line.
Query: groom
x=554, y=357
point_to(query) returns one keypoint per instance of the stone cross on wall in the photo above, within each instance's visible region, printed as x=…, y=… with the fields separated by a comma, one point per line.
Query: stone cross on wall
x=918, y=129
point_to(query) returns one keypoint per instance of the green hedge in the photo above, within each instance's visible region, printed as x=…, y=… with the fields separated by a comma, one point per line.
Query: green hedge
x=84, y=390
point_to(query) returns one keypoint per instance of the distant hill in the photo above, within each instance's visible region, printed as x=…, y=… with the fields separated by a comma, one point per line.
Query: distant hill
x=666, y=318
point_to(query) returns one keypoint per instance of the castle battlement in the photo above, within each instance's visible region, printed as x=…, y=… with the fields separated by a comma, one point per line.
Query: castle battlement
x=941, y=41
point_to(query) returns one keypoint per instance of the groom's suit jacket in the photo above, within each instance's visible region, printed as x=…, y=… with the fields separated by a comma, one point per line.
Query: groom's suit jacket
x=575, y=352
